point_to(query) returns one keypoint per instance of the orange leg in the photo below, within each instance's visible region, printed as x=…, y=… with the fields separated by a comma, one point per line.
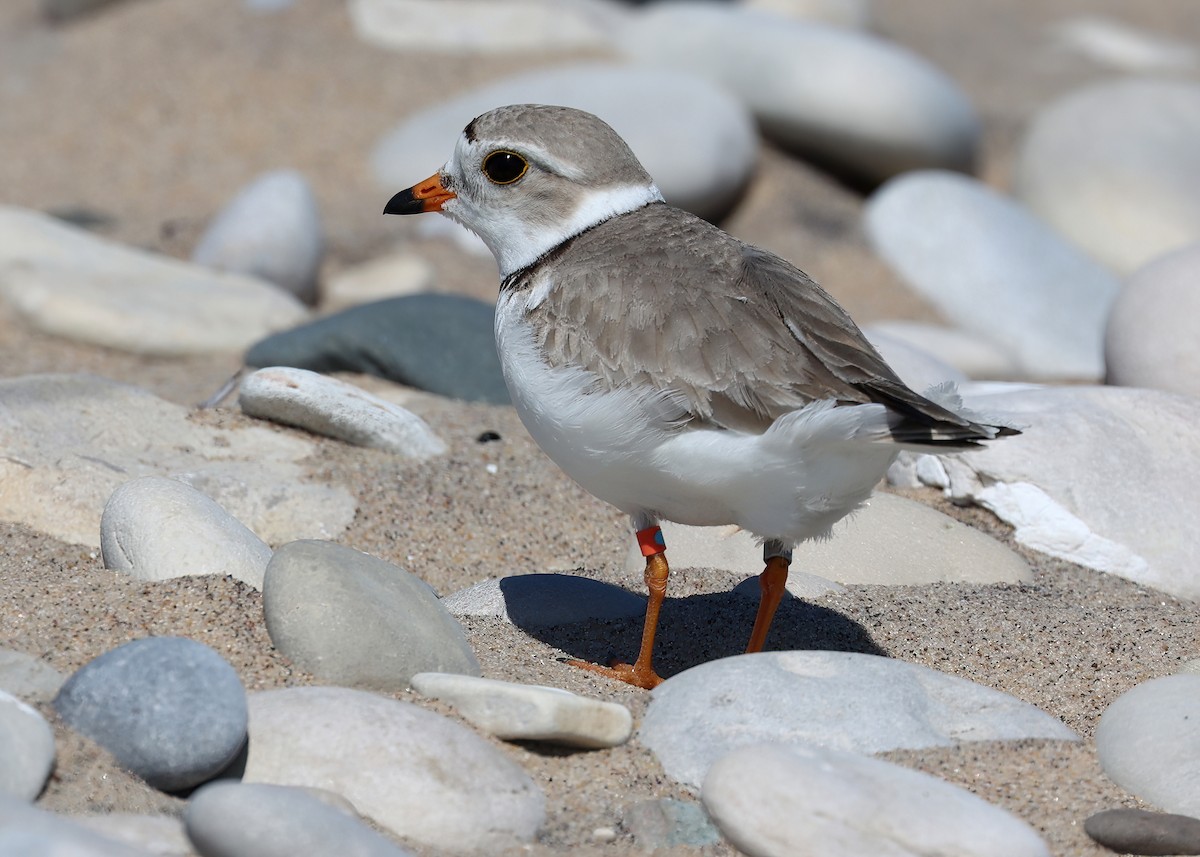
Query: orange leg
x=772, y=582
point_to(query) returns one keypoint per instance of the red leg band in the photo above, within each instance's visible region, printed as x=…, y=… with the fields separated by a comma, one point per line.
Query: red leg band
x=650, y=540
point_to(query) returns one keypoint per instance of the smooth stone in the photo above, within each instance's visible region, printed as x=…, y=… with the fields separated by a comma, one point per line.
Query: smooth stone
x=694, y=138
x=833, y=699
x=160, y=835
x=67, y=442
x=171, y=710
x=1101, y=476
x=360, y=621
x=270, y=230
x=391, y=276
x=523, y=712
x=418, y=774
x=969, y=353
x=844, y=98
x=156, y=529
x=70, y=283
x=1121, y=47
x=1151, y=338
x=443, y=344
x=890, y=541
x=1148, y=742
x=777, y=800
x=840, y=13
x=669, y=823
x=26, y=749
x=542, y=600
x=991, y=268
x=1138, y=831
x=26, y=831
x=918, y=368
x=1115, y=167
x=231, y=819
x=27, y=677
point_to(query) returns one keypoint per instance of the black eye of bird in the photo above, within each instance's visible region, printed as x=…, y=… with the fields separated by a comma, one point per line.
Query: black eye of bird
x=504, y=167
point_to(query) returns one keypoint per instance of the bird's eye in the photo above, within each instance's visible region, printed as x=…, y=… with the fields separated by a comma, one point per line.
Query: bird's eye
x=504, y=167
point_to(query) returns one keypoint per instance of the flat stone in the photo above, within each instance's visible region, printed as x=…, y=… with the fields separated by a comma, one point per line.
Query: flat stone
x=160, y=835
x=156, y=529
x=969, y=353
x=528, y=712
x=67, y=282
x=418, y=774
x=668, y=823
x=27, y=677
x=171, y=710
x=1139, y=831
x=391, y=276
x=846, y=701
x=542, y=600
x=777, y=799
x=358, y=620
x=26, y=749
x=336, y=409
x=26, y=830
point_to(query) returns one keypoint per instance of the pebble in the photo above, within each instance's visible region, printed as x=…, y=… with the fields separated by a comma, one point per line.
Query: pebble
x=67, y=442
x=1139, y=831
x=785, y=799
x=27, y=677
x=918, y=368
x=840, y=13
x=26, y=831
x=270, y=230
x=669, y=823
x=968, y=353
x=156, y=529
x=357, y=620
x=543, y=600
x=827, y=698
x=1115, y=167
x=694, y=138
x=1119, y=46
x=846, y=99
x=171, y=710
x=417, y=774
x=390, y=276
x=523, y=712
x=1148, y=742
x=443, y=344
x=336, y=409
x=890, y=541
x=993, y=269
x=1101, y=476
x=231, y=819
x=67, y=282
x=160, y=835
x=1151, y=338
x=26, y=749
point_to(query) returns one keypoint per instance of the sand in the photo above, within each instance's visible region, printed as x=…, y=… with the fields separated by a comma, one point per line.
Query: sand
x=151, y=114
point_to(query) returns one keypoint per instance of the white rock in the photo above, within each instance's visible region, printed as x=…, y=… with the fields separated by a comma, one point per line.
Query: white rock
x=847, y=701
x=528, y=712
x=270, y=230
x=67, y=282
x=26, y=749
x=993, y=269
x=68, y=441
x=892, y=540
x=156, y=529
x=1152, y=340
x=1148, y=742
x=844, y=97
x=842, y=13
x=778, y=801
x=541, y=600
x=1120, y=46
x=418, y=774
x=695, y=139
x=388, y=276
x=1116, y=168
x=969, y=353
x=916, y=367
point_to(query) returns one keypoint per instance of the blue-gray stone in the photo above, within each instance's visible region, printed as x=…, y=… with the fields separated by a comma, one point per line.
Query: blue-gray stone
x=170, y=710
x=440, y=343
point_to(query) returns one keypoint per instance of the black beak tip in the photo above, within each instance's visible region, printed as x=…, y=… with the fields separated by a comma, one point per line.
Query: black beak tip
x=404, y=203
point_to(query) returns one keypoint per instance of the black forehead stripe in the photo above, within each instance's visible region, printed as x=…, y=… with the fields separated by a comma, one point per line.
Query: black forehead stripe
x=469, y=131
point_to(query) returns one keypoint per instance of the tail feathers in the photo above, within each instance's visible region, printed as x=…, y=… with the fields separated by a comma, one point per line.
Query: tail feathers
x=938, y=418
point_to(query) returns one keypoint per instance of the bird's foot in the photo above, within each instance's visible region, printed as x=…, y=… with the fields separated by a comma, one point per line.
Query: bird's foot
x=639, y=675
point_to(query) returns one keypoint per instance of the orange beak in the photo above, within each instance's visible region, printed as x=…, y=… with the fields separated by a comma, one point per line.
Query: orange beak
x=428, y=195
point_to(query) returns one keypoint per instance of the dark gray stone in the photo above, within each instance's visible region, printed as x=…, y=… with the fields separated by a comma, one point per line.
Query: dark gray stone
x=440, y=343
x=1138, y=831
x=170, y=710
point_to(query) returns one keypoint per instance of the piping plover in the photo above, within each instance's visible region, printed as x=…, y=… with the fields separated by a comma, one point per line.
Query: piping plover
x=669, y=368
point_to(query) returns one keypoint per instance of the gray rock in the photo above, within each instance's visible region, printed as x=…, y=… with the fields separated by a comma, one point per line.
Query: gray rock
x=391, y=276
x=27, y=677
x=337, y=409
x=418, y=774
x=170, y=710
x=847, y=99
x=541, y=600
x=1148, y=742
x=1151, y=338
x=1138, y=831
x=271, y=230
x=156, y=529
x=1115, y=167
x=969, y=353
x=160, y=835
x=667, y=823
x=775, y=799
x=349, y=617
x=698, y=142
x=26, y=831
x=70, y=283
x=1117, y=45
x=528, y=712
x=841, y=13
x=994, y=270
x=26, y=749
x=230, y=819
x=846, y=701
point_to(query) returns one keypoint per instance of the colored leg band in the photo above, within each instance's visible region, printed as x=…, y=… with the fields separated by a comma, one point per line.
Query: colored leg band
x=650, y=540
